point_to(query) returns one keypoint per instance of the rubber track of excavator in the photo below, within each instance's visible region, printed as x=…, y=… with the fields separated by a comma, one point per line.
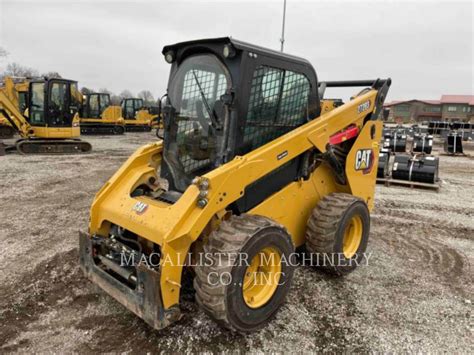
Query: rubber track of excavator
x=52, y=146
x=137, y=128
x=104, y=129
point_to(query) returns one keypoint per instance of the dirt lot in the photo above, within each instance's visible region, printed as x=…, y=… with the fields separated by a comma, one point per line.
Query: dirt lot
x=415, y=295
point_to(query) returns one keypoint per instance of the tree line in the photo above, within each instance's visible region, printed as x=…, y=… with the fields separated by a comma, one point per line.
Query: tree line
x=17, y=70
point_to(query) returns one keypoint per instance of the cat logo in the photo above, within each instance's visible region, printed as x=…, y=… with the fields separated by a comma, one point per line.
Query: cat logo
x=140, y=207
x=364, y=160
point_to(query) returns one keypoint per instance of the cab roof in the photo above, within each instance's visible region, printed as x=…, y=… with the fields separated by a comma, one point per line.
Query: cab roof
x=239, y=45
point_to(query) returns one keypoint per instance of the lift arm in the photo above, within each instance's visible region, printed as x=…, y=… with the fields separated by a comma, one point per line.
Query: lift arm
x=10, y=111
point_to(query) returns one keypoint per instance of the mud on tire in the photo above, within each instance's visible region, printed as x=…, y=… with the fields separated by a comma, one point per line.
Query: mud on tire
x=219, y=287
x=328, y=232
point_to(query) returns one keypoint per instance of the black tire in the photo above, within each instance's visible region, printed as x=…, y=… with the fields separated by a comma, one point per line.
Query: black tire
x=326, y=229
x=224, y=301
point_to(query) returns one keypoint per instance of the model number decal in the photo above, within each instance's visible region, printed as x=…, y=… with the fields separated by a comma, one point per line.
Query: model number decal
x=364, y=160
x=363, y=106
x=140, y=207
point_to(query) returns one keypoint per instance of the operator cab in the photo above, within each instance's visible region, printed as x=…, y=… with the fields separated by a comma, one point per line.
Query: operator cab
x=227, y=98
x=96, y=103
x=130, y=107
x=53, y=102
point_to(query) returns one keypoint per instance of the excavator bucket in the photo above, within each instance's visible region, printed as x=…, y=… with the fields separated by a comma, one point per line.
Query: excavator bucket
x=422, y=143
x=453, y=143
x=437, y=127
x=417, y=168
x=395, y=141
x=384, y=163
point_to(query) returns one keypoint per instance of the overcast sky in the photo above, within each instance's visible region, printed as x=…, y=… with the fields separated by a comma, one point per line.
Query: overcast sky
x=426, y=47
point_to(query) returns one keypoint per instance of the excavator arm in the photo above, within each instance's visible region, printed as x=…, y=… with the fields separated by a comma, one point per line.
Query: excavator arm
x=10, y=111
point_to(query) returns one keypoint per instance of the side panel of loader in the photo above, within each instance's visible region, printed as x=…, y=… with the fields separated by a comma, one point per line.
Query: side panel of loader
x=292, y=205
x=362, y=162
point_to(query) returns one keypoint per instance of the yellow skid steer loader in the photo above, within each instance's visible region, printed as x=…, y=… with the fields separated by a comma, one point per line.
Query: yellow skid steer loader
x=249, y=169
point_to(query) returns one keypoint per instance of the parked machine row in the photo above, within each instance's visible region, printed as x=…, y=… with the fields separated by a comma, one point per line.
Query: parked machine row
x=99, y=116
x=54, y=113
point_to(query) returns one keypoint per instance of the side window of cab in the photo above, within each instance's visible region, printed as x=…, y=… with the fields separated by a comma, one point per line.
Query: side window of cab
x=278, y=103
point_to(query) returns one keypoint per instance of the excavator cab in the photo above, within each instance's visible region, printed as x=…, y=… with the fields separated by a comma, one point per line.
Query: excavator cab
x=95, y=104
x=98, y=116
x=130, y=107
x=138, y=118
x=54, y=104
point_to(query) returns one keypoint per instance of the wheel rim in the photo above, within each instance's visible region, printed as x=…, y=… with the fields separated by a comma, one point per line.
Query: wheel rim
x=352, y=236
x=262, y=277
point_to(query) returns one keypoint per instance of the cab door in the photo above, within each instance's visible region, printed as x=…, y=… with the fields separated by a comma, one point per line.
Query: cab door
x=36, y=104
x=128, y=109
x=60, y=107
x=93, y=106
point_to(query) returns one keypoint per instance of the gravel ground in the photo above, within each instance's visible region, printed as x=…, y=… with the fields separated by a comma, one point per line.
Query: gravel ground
x=415, y=295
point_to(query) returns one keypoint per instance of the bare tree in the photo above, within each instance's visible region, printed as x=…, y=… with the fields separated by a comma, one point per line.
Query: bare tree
x=3, y=52
x=15, y=69
x=105, y=91
x=85, y=91
x=52, y=74
x=147, y=97
x=115, y=100
x=125, y=94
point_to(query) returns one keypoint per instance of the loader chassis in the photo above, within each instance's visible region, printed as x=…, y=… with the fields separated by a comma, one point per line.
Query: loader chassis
x=247, y=156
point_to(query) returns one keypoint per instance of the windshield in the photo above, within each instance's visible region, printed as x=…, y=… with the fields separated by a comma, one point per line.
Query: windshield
x=194, y=92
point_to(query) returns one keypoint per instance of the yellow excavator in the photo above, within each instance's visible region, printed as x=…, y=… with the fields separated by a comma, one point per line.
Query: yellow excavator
x=51, y=125
x=249, y=169
x=98, y=116
x=138, y=118
x=16, y=89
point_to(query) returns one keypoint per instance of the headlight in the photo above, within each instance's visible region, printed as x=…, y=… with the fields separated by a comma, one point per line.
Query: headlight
x=169, y=57
x=228, y=51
